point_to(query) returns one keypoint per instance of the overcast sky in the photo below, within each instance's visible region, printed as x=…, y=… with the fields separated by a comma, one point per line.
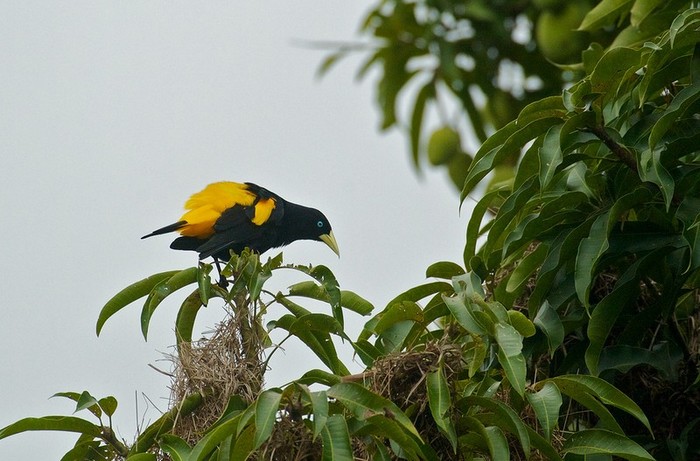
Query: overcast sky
x=112, y=113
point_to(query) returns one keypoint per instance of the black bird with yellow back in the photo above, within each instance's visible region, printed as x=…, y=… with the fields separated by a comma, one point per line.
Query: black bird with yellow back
x=229, y=216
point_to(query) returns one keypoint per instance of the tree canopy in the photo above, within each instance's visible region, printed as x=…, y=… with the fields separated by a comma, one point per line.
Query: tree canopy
x=567, y=329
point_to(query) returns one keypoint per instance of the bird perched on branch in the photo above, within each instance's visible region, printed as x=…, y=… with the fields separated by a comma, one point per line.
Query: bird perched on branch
x=230, y=216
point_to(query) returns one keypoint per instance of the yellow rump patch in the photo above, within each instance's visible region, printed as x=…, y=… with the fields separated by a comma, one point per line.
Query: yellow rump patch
x=205, y=207
x=263, y=210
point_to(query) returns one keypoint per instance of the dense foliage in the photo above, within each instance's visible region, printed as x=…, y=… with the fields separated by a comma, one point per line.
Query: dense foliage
x=571, y=328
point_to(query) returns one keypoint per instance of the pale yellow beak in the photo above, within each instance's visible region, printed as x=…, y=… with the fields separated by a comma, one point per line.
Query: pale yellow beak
x=329, y=239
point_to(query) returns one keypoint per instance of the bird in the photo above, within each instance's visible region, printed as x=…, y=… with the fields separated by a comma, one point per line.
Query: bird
x=227, y=217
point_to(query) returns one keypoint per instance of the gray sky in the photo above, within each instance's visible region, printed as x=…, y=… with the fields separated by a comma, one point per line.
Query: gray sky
x=112, y=113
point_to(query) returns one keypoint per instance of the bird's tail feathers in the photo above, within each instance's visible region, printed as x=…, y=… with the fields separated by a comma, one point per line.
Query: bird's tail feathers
x=164, y=230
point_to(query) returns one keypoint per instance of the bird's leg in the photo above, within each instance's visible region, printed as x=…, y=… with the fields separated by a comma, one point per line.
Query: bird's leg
x=223, y=283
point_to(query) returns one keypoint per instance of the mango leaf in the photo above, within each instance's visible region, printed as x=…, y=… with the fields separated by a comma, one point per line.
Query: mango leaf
x=440, y=404
x=463, y=315
x=130, y=294
x=363, y=404
x=605, y=314
x=384, y=426
x=176, y=448
x=594, y=246
x=336, y=440
x=319, y=377
x=677, y=109
x=548, y=107
x=505, y=417
x=602, y=390
x=142, y=457
x=162, y=290
x=549, y=322
x=318, y=341
x=51, y=423
x=213, y=438
x=354, y=302
x=108, y=405
x=514, y=368
x=651, y=169
x=602, y=442
x=426, y=93
x=398, y=312
x=509, y=339
x=164, y=424
x=319, y=408
x=550, y=155
x=546, y=404
x=605, y=13
x=493, y=437
x=521, y=323
x=266, y=408
x=444, y=270
x=421, y=291
x=490, y=155
x=623, y=358
x=525, y=268
x=186, y=315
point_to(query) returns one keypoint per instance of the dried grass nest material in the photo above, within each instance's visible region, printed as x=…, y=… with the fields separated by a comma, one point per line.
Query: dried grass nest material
x=227, y=363
x=401, y=377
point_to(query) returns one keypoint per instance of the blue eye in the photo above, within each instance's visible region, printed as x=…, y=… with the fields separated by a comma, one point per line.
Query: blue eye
x=319, y=224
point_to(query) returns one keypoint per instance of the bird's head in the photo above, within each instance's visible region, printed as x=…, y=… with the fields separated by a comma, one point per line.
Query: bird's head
x=310, y=224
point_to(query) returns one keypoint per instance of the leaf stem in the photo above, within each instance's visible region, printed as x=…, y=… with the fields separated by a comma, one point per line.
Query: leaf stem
x=620, y=151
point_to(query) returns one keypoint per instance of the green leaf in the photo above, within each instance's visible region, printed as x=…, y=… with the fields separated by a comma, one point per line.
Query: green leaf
x=594, y=246
x=398, y=312
x=651, y=169
x=319, y=408
x=108, y=405
x=547, y=107
x=176, y=448
x=550, y=155
x=509, y=340
x=336, y=440
x=316, y=322
x=463, y=315
x=426, y=93
x=444, y=270
x=130, y=294
x=605, y=13
x=685, y=99
x=51, y=423
x=525, y=269
x=318, y=341
x=355, y=302
x=521, y=323
x=549, y=322
x=602, y=390
x=599, y=441
x=612, y=68
x=546, y=404
x=514, y=368
x=440, y=404
x=493, y=437
x=517, y=136
x=244, y=444
x=213, y=438
x=142, y=457
x=88, y=401
x=319, y=377
x=363, y=404
x=623, y=358
x=164, y=289
x=507, y=419
x=266, y=408
x=186, y=315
